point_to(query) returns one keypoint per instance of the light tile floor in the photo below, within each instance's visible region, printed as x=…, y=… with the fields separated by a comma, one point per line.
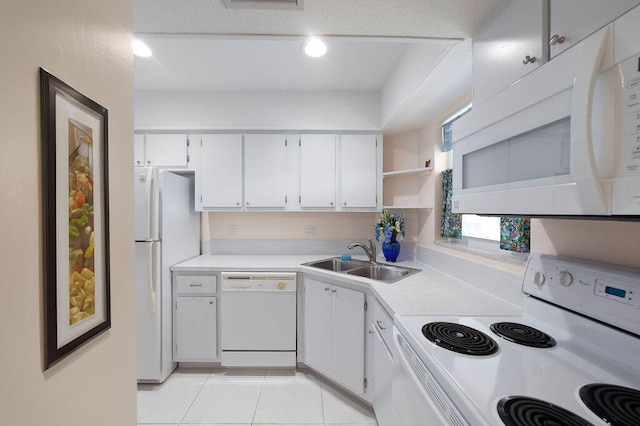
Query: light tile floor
x=243, y=397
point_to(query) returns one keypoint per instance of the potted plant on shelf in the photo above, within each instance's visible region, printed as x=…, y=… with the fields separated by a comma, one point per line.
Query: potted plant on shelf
x=390, y=225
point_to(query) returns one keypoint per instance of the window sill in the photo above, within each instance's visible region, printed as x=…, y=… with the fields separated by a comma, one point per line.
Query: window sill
x=485, y=248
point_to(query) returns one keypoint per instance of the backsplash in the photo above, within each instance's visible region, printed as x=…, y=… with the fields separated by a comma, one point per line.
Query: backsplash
x=503, y=284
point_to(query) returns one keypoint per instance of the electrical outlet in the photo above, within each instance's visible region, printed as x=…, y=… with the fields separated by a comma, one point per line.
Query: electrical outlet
x=310, y=231
x=233, y=230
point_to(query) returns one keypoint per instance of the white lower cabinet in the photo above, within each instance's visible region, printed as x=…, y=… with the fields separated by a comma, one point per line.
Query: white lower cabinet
x=380, y=363
x=333, y=332
x=195, y=333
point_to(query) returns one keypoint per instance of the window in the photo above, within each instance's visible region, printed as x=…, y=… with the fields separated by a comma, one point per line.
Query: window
x=504, y=238
x=487, y=228
x=447, y=128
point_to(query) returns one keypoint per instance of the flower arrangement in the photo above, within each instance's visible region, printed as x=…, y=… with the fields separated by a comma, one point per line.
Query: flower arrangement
x=390, y=225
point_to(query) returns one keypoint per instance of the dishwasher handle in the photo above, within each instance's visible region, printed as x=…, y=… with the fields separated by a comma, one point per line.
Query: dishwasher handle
x=259, y=287
x=257, y=290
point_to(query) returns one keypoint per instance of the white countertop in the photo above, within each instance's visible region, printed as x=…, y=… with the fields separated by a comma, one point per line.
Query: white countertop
x=429, y=292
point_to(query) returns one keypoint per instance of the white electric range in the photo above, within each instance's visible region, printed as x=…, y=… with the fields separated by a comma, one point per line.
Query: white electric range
x=571, y=358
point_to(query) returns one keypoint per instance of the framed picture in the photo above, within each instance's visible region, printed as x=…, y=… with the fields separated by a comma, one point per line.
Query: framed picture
x=77, y=303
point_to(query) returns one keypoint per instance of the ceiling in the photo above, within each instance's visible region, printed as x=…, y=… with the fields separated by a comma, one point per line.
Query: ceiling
x=203, y=45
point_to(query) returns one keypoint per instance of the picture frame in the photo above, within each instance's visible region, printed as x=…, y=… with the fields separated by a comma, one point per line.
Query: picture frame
x=74, y=137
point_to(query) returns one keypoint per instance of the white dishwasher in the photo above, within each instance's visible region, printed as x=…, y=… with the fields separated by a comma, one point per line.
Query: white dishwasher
x=258, y=319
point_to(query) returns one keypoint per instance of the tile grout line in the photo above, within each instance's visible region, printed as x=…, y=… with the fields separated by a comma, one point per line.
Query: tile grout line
x=255, y=410
x=322, y=404
x=195, y=397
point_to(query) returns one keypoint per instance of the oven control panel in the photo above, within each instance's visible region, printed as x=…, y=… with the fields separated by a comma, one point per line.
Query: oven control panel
x=604, y=292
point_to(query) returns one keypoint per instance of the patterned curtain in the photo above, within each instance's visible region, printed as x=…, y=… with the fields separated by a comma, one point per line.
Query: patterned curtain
x=451, y=225
x=515, y=234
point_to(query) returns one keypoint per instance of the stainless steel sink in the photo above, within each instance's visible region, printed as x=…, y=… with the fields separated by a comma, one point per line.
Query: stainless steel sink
x=381, y=272
x=336, y=264
x=361, y=268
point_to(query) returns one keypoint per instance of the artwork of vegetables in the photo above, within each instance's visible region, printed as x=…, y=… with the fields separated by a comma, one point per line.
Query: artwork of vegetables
x=75, y=197
x=81, y=261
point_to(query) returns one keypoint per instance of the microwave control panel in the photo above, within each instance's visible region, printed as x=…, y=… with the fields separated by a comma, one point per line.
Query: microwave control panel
x=630, y=115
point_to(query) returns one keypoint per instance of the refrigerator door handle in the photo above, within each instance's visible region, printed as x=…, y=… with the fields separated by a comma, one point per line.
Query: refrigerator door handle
x=149, y=183
x=153, y=267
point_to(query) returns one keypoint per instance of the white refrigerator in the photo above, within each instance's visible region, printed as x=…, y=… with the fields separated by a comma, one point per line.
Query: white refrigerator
x=167, y=231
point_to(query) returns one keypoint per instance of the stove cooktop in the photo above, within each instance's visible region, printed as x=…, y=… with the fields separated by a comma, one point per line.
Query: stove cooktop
x=553, y=374
x=572, y=354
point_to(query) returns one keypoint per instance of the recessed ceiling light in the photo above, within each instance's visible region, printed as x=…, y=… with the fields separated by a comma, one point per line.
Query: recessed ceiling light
x=314, y=48
x=141, y=49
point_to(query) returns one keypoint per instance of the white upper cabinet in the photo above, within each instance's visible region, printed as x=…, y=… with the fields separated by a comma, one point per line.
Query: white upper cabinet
x=573, y=20
x=523, y=35
x=138, y=150
x=169, y=150
x=317, y=171
x=309, y=172
x=219, y=174
x=359, y=173
x=265, y=179
x=161, y=150
x=508, y=48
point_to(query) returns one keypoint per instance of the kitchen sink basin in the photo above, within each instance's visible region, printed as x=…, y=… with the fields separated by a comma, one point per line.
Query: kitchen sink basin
x=382, y=272
x=361, y=268
x=336, y=264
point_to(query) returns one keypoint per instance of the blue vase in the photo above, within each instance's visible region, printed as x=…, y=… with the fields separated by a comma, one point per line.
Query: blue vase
x=391, y=250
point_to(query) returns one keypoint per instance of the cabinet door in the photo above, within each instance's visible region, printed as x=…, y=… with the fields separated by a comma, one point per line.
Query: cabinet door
x=265, y=182
x=219, y=176
x=358, y=171
x=166, y=150
x=138, y=150
x=317, y=171
x=513, y=33
x=347, y=338
x=576, y=19
x=196, y=333
x=380, y=366
x=317, y=325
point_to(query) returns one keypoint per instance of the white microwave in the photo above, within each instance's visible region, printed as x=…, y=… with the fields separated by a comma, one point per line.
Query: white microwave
x=563, y=140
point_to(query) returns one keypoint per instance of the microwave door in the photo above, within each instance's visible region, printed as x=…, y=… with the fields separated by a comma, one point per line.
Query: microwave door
x=542, y=146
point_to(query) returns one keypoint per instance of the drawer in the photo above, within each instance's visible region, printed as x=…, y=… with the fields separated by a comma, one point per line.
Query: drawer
x=381, y=321
x=195, y=284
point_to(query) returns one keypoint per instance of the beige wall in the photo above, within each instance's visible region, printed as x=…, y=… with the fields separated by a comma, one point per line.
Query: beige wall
x=288, y=225
x=86, y=43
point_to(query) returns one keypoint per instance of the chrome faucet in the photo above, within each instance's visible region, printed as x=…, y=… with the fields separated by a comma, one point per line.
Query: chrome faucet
x=370, y=251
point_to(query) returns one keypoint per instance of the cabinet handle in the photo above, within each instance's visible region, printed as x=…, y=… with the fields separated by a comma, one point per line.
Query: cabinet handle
x=333, y=291
x=556, y=39
x=326, y=289
x=529, y=60
x=238, y=204
x=247, y=203
x=370, y=331
x=195, y=285
x=211, y=302
x=380, y=325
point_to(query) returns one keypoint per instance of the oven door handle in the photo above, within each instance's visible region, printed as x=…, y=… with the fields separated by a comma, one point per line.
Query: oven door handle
x=421, y=384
